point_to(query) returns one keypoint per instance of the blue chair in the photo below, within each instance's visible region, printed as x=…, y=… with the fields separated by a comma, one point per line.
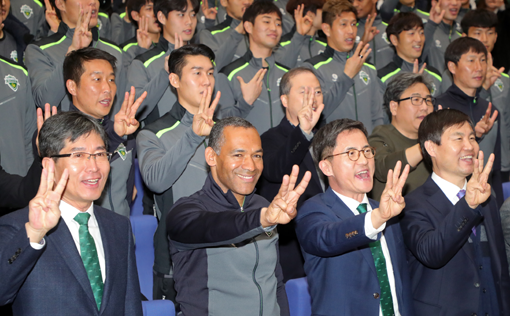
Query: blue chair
x=158, y=308
x=300, y=302
x=144, y=227
x=137, y=207
x=506, y=190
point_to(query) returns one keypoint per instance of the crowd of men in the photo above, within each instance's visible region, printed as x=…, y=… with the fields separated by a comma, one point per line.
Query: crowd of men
x=363, y=144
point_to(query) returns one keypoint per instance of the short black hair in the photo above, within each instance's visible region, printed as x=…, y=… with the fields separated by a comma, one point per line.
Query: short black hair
x=310, y=6
x=462, y=46
x=177, y=59
x=73, y=63
x=67, y=126
x=167, y=6
x=433, y=126
x=285, y=85
x=479, y=18
x=403, y=21
x=258, y=8
x=136, y=6
x=216, y=137
x=332, y=9
x=324, y=141
x=57, y=11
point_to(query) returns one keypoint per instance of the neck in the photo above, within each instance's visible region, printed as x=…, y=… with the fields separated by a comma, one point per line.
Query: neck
x=80, y=206
x=458, y=181
x=408, y=134
x=187, y=105
x=260, y=52
x=335, y=48
x=80, y=108
x=406, y=58
x=168, y=37
x=449, y=22
x=293, y=120
x=312, y=31
x=69, y=23
x=154, y=37
x=469, y=91
x=358, y=197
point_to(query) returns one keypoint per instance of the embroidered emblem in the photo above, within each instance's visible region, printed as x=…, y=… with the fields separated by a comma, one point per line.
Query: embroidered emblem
x=434, y=89
x=334, y=77
x=12, y=82
x=365, y=77
x=385, y=38
x=282, y=11
x=278, y=81
x=438, y=43
x=14, y=55
x=99, y=24
x=499, y=85
x=27, y=11
x=358, y=39
x=202, y=19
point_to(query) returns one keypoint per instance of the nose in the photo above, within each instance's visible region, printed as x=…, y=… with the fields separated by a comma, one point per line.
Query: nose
x=188, y=19
x=92, y=164
x=351, y=29
x=483, y=37
x=248, y=163
x=107, y=86
x=362, y=160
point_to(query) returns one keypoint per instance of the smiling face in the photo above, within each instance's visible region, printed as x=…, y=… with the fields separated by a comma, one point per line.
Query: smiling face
x=266, y=31
x=453, y=159
x=492, y=5
x=364, y=7
x=486, y=35
x=293, y=102
x=452, y=8
x=350, y=178
x=239, y=165
x=469, y=72
x=95, y=92
x=236, y=8
x=147, y=11
x=70, y=11
x=409, y=44
x=342, y=33
x=181, y=22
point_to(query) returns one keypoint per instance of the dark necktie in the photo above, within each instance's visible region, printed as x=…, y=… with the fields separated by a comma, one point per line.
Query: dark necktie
x=460, y=195
x=382, y=273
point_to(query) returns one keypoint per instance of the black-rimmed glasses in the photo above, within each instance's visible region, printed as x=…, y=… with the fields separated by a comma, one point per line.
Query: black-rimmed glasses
x=415, y=100
x=82, y=156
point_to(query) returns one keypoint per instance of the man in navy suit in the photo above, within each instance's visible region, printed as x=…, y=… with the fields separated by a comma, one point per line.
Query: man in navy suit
x=452, y=227
x=353, y=248
x=63, y=255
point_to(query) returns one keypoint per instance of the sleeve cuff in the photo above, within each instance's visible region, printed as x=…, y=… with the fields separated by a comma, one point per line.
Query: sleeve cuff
x=370, y=231
x=308, y=137
x=38, y=245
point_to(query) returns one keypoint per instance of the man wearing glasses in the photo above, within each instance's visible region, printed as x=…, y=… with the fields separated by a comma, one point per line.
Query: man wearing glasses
x=89, y=74
x=407, y=101
x=353, y=248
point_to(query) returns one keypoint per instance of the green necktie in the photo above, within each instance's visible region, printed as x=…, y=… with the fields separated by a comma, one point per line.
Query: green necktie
x=90, y=258
x=382, y=273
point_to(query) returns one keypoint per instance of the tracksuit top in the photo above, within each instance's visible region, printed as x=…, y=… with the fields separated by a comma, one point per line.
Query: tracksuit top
x=382, y=52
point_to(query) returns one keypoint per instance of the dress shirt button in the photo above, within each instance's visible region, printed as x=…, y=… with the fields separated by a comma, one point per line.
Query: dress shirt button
x=376, y=295
x=477, y=284
x=485, y=290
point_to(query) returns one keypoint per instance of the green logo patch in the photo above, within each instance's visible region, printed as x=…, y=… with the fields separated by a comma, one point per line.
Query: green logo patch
x=12, y=82
x=27, y=11
x=365, y=77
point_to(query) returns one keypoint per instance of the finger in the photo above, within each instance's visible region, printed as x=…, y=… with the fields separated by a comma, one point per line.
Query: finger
x=365, y=56
x=80, y=16
x=293, y=178
x=241, y=81
x=43, y=184
x=284, y=188
x=260, y=75
x=136, y=105
x=300, y=189
x=358, y=49
x=415, y=66
x=40, y=119
x=208, y=96
x=86, y=22
x=389, y=180
x=488, y=168
x=396, y=172
x=488, y=113
x=493, y=118
x=215, y=102
x=501, y=70
x=422, y=67
x=51, y=176
x=365, y=52
x=62, y=183
x=53, y=110
x=201, y=107
x=402, y=180
x=479, y=165
x=439, y=107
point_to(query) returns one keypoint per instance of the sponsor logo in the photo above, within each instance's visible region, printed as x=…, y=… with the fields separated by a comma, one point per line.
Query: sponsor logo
x=434, y=89
x=12, y=82
x=358, y=39
x=99, y=24
x=438, y=43
x=385, y=38
x=278, y=81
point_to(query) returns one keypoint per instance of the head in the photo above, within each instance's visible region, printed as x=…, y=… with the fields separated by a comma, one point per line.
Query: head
x=263, y=24
x=490, y=5
x=73, y=132
x=236, y=8
x=448, y=143
x=143, y=8
x=176, y=16
x=482, y=25
x=5, y=6
x=352, y=178
x=69, y=11
x=466, y=59
x=451, y=8
x=313, y=9
x=339, y=24
x=364, y=7
x=89, y=74
x=406, y=115
x=292, y=88
x=405, y=32
x=235, y=156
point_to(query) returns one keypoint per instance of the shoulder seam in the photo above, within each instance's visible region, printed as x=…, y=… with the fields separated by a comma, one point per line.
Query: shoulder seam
x=111, y=45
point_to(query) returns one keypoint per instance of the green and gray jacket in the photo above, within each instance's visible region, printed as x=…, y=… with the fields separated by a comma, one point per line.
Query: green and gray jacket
x=444, y=34
x=363, y=100
x=382, y=52
x=312, y=46
x=391, y=7
x=30, y=13
x=121, y=30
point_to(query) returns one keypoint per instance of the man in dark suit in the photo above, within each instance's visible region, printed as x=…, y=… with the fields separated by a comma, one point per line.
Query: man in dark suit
x=289, y=144
x=353, y=248
x=62, y=255
x=452, y=226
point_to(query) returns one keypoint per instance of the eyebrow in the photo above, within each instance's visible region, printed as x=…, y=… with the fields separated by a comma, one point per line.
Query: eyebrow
x=100, y=73
x=83, y=148
x=351, y=147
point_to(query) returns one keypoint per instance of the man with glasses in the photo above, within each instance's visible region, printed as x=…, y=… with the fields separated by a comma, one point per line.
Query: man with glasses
x=353, y=248
x=407, y=101
x=63, y=254
x=89, y=75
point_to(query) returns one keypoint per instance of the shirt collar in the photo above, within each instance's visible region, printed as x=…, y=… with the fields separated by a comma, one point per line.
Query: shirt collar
x=449, y=189
x=68, y=212
x=352, y=204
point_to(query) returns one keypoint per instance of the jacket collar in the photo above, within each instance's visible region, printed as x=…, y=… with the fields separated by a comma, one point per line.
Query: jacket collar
x=447, y=29
x=461, y=97
x=227, y=200
x=402, y=64
x=165, y=45
x=338, y=56
x=179, y=113
x=257, y=62
x=231, y=21
x=104, y=121
x=377, y=21
x=63, y=29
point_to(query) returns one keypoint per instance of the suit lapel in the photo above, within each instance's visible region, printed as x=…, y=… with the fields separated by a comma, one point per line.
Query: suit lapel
x=108, y=238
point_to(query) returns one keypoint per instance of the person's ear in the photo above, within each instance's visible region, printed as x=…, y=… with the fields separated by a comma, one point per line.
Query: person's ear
x=430, y=147
x=248, y=27
x=71, y=86
x=224, y=3
x=394, y=40
x=285, y=100
x=174, y=80
x=326, y=168
x=326, y=28
x=161, y=18
x=135, y=16
x=46, y=162
x=210, y=157
x=452, y=67
x=393, y=108
x=60, y=5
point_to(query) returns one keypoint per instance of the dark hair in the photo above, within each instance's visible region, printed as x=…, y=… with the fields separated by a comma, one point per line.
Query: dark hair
x=285, y=84
x=216, y=137
x=167, y=6
x=400, y=83
x=67, y=126
x=177, y=59
x=310, y=6
x=73, y=63
x=433, y=126
x=462, y=46
x=479, y=18
x=57, y=11
x=403, y=21
x=258, y=8
x=334, y=8
x=135, y=6
x=324, y=142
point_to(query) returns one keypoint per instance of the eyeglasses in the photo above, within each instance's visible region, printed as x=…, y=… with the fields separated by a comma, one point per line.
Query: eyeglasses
x=83, y=157
x=353, y=154
x=429, y=101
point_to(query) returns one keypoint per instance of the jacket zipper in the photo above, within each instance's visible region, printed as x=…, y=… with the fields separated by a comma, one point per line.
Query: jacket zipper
x=354, y=94
x=269, y=95
x=261, y=300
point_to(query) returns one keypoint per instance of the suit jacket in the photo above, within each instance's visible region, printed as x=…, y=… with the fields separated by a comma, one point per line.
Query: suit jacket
x=53, y=280
x=342, y=277
x=444, y=272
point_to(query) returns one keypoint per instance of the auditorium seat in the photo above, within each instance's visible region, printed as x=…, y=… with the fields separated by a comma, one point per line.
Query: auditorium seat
x=144, y=227
x=137, y=207
x=158, y=308
x=300, y=302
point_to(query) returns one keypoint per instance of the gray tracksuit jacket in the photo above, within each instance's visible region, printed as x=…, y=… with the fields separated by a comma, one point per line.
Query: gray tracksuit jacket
x=391, y=7
x=267, y=111
x=18, y=120
x=363, y=101
x=121, y=30
x=104, y=25
x=45, y=60
x=382, y=52
x=312, y=46
x=172, y=164
x=30, y=13
x=444, y=34
x=147, y=73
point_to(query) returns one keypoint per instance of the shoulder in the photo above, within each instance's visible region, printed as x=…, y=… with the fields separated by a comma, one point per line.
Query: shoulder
x=319, y=61
x=164, y=124
x=148, y=57
x=282, y=67
x=49, y=41
x=129, y=43
x=388, y=71
x=219, y=28
x=382, y=130
x=15, y=219
x=234, y=67
x=10, y=64
x=108, y=215
x=369, y=67
x=434, y=72
x=110, y=45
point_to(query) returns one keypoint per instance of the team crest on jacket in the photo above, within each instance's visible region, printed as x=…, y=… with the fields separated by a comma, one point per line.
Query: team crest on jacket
x=385, y=38
x=12, y=82
x=14, y=55
x=438, y=43
x=27, y=11
x=499, y=85
x=434, y=89
x=99, y=24
x=365, y=77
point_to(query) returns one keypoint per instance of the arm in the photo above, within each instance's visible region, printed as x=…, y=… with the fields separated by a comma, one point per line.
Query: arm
x=336, y=94
x=287, y=53
x=17, y=191
x=281, y=294
x=377, y=97
x=30, y=122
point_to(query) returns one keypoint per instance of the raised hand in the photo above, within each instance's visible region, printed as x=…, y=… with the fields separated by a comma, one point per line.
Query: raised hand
x=356, y=61
x=283, y=207
x=303, y=23
x=370, y=31
x=310, y=113
x=202, y=121
x=43, y=210
x=209, y=13
x=178, y=41
x=436, y=13
x=252, y=89
x=416, y=67
x=477, y=189
x=125, y=122
x=82, y=35
x=142, y=34
x=41, y=119
x=392, y=202
x=485, y=124
x=492, y=74
x=51, y=17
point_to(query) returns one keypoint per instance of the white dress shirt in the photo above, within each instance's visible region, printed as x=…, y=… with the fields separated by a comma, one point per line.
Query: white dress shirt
x=371, y=233
x=449, y=189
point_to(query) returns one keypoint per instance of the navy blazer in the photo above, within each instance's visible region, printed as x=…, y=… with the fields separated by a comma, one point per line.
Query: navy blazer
x=341, y=272
x=53, y=281
x=444, y=273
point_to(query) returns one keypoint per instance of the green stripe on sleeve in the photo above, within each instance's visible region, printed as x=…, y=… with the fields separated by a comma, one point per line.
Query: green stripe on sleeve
x=111, y=45
x=129, y=46
x=163, y=131
x=370, y=66
x=232, y=74
x=282, y=44
x=316, y=66
x=38, y=3
x=148, y=62
x=281, y=68
x=438, y=77
x=391, y=74
x=16, y=66
x=219, y=31
x=52, y=44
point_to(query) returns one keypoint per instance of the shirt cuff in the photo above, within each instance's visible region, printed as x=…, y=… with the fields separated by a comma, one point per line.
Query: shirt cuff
x=308, y=137
x=38, y=245
x=370, y=231
x=268, y=229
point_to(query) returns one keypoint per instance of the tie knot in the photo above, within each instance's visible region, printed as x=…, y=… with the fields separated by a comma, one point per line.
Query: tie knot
x=461, y=194
x=362, y=208
x=82, y=218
